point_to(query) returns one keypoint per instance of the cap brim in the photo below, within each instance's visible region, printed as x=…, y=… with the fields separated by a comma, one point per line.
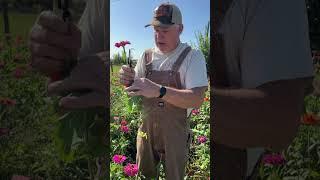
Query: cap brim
x=158, y=24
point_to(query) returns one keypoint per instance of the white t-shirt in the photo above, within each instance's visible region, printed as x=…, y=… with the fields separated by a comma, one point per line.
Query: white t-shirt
x=193, y=72
x=92, y=22
x=266, y=40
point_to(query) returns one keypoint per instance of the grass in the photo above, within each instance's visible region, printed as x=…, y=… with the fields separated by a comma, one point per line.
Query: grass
x=20, y=23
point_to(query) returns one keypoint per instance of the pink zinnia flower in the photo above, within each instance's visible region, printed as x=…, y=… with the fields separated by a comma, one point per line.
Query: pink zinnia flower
x=126, y=42
x=18, y=57
x=18, y=40
x=4, y=131
x=123, y=123
x=18, y=73
x=7, y=101
x=202, y=139
x=116, y=118
x=18, y=177
x=118, y=159
x=131, y=169
x=1, y=64
x=117, y=45
x=273, y=159
x=195, y=112
x=124, y=129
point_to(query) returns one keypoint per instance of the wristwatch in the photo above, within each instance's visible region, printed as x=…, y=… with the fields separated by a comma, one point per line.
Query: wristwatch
x=163, y=91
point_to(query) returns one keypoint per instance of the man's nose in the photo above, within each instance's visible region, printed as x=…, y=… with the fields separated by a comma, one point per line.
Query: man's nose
x=159, y=35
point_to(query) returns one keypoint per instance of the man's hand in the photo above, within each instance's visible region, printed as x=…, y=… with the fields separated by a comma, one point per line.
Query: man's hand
x=52, y=44
x=126, y=75
x=144, y=87
x=90, y=75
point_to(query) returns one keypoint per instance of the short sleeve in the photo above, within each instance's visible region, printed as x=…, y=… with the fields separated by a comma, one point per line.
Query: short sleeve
x=276, y=43
x=196, y=73
x=140, y=67
x=92, y=26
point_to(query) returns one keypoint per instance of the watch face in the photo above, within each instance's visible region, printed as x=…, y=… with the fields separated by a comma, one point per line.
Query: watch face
x=162, y=91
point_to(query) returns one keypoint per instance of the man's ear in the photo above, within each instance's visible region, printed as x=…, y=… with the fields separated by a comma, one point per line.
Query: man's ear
x=180, y=28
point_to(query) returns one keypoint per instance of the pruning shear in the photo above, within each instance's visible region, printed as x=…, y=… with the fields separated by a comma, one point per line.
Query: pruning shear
x=61, y=8
x=130, y=65
x=129, y=59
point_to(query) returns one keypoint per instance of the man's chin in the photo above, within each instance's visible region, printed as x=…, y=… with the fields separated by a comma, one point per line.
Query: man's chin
x=163, y=49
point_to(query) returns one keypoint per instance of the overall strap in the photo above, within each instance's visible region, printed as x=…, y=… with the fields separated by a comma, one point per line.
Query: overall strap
x=147, y=60
x=177, y=64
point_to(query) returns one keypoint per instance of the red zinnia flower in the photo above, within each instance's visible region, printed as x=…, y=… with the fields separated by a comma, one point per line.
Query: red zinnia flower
x=123, y=123
x=310, y=119
x=206, y=99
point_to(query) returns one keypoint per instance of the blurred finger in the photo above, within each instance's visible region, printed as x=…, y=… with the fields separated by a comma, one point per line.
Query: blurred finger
x=135, y=93
x=126, y=68
x=125, y=82
x=132, y=88
x=43, y=35
x=38, y=49
x=85, y=101
x=127, y=78
x=51, y=21
x=69, y=85
x=46, y=65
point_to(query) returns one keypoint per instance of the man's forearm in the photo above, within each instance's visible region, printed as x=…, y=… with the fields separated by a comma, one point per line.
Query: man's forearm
x=251, y=117
x=185, y=98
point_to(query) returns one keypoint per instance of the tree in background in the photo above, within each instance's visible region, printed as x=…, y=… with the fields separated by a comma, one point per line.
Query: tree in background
x=313, y=8
x=203, y=42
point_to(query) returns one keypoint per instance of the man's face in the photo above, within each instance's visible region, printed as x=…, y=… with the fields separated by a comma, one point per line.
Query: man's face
x=167, y=39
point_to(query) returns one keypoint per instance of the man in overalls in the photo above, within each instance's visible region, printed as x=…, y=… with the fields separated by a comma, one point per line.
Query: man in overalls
x=172, y=78
x=262, y=64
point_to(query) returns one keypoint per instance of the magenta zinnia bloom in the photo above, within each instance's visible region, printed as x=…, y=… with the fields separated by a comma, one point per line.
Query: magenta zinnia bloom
x=2, y=64
x=123, y=123
x=118, y=159
x=131, y=169
x=124, y=129
x=117, y=45
x=19, y=72
x=195, y=112
x=4, y=131
x=202, y=139
x=273, y=159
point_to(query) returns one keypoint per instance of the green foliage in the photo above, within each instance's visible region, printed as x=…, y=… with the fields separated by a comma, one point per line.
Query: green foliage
x=203, y=42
